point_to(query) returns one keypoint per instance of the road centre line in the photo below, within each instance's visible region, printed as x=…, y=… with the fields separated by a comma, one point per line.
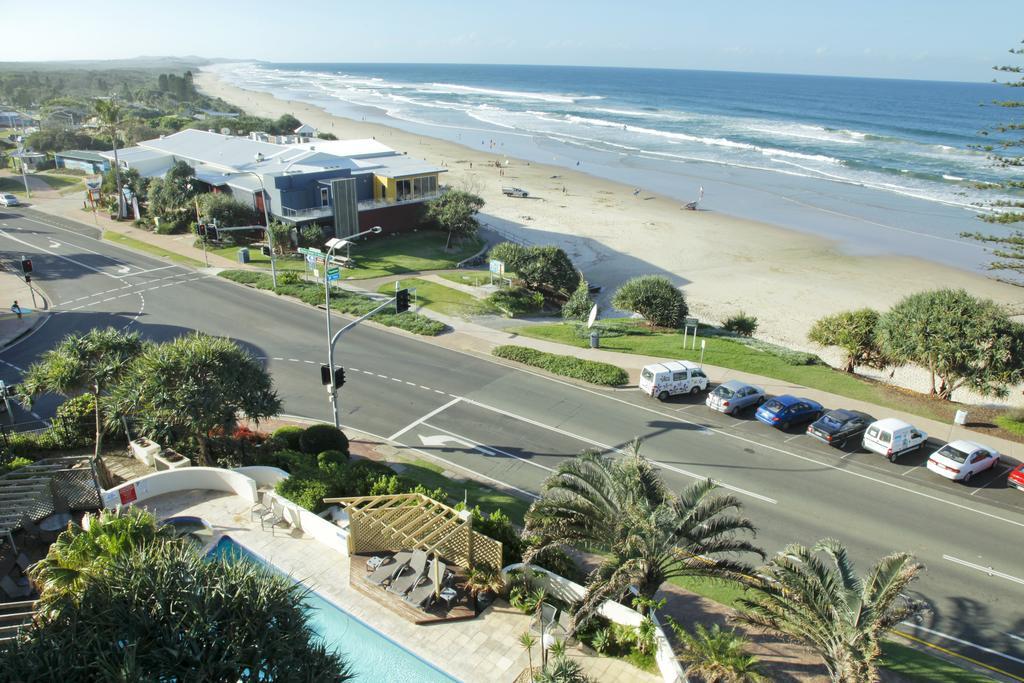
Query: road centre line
x=987, y=570
x=592, y=442
x=53, y=253
x=426, y=417
x=962, y=642
x=486, y=447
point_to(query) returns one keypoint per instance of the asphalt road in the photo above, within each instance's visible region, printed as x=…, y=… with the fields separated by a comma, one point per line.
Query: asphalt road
x=514, y=427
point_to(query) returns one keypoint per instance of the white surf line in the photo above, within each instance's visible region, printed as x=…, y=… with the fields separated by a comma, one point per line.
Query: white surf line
x=484, y=448
x=592, y=442
x=53, y=253
x=752, y=442
x=968, y=643
x=426, y=417
x=987, y=570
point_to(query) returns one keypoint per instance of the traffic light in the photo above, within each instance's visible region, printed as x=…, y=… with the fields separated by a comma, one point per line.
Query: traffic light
x=26, y=265
x=201, y=230
x=211, y=231
x=325, y=376
x=401, y=301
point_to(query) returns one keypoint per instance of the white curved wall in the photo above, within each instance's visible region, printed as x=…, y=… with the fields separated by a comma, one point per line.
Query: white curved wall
x=264, y=476
x=186, y=479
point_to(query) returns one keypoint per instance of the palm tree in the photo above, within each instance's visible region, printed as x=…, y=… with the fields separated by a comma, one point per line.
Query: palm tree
x=527, y=640
x=829, y=608
x=92, y=362
x=716, y=655
x=621, y=507
x=81, y=552
x=110, y=114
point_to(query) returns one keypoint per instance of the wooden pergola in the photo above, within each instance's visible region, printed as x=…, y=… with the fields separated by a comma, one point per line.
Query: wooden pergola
x=411, y=521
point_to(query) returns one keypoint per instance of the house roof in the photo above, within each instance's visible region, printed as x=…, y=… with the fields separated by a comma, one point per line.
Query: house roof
x=354, y=149
x=305, y=129
x=82, y=155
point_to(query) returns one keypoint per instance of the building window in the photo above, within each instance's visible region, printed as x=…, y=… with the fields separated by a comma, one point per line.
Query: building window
x=325, y=197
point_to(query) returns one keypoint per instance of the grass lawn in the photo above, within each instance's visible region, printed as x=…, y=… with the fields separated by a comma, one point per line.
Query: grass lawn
x=406, y=253
x=256, y=258
x=63, y=183
x=920, y=666
x=727, y=353
x=439, y=298
x=473, y=278
x=12, y=184
x=725, y=593
x=489, y=499
x=118, y=238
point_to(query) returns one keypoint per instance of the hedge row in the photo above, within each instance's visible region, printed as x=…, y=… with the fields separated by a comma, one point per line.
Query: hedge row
x=567, y=366
x=341, y=301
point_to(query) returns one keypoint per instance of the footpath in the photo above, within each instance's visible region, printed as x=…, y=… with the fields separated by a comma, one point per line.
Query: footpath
x=14, y=289
x=478, y=339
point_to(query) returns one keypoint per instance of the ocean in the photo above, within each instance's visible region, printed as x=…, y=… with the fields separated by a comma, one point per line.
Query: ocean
x=874, y=164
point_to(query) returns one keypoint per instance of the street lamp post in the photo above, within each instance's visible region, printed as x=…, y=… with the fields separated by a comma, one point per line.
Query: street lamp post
x=266, y=220
x=332, y=244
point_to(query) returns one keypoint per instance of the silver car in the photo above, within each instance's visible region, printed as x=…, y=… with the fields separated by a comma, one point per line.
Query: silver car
x=8, y=200
x=733, y=396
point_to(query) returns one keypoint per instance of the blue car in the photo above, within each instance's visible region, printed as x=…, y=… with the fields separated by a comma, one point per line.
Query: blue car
x=783, y=411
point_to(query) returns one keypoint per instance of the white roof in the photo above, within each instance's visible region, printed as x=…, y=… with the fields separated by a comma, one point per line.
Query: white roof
x=305, y=129
x=891, y=424
x=348, y=148
x=673, y=366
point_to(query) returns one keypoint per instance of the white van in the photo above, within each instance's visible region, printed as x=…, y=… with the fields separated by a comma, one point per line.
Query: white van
x=672, y=377
x=892, y=438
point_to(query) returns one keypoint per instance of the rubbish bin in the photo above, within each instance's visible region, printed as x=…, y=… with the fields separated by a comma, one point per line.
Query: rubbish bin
x=594, y=340
x=243, y=255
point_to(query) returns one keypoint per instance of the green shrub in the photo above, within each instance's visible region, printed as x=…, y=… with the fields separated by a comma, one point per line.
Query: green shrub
x=289, y=436
x=305, y=492
x=358, y=477
x=742, y=324
x=653, y=297
x=594, y=372
x=557, y=560
x=331, y=457
x=789, y=356
x=75, y=425
x=511, y=253
x=516, y=301
x=14, y=464
x=498, y=526
x=296, y=462
x=321, y=437
x=578, y=307
x=386, y=486
x=289, y=277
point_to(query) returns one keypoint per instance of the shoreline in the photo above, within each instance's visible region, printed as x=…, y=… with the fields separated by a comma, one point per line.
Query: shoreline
x=784, y=277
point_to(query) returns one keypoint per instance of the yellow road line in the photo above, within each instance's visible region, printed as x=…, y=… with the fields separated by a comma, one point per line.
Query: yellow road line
x=958, y=655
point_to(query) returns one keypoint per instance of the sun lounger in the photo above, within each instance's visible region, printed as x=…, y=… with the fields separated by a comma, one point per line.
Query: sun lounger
x=422, y=593
x=14, y=591
x=276, y=516
x=409, y=577
x=263, y=507
x=391, y=566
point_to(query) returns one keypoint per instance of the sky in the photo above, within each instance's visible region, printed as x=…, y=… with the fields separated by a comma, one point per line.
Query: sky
x=937, y=40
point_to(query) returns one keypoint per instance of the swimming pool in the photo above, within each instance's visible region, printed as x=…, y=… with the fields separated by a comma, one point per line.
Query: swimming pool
x=371, y=655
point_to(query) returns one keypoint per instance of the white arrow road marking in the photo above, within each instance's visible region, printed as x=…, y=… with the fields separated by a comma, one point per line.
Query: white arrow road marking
x=438, y=440
x=988, y=570
x=124, y=270
x=54, y=245
x=426, y=417
x=491, y=450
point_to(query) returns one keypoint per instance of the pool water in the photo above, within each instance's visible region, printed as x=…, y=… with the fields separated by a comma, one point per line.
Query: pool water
x=370, y=655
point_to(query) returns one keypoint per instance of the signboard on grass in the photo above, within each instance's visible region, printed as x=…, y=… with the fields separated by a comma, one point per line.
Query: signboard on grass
x=497, y=267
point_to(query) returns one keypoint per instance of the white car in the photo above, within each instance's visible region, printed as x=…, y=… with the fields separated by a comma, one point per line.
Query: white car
x=8, y=200
x=961, y=460
x=672, y=377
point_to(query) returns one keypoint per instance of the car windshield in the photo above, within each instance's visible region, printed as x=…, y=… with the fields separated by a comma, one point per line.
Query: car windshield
x=724, y=392
x=832, y=421
x=954, y=454
x=774, y=406
x=647, y=375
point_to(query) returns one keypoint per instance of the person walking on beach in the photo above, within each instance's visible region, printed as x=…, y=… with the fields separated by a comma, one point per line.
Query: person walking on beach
x=16, y=309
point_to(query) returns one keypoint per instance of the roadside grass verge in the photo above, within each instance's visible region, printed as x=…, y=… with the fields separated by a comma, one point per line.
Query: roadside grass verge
x=442, y=299
x=12, y=185
x=60, y=182
x=634, y=337
x=256, y=258
x=473, y=278
x=594, y=372
x=474, y=493
x=921, y=666
x=1012, y=422
x=342, y=301
x=152, y=249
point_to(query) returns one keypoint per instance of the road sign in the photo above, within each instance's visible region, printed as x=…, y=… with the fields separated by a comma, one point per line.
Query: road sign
x=333, y=274
x=310, y=251
x=497, y=267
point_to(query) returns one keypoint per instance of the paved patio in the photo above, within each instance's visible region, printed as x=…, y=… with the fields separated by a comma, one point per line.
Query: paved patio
x=481, y=649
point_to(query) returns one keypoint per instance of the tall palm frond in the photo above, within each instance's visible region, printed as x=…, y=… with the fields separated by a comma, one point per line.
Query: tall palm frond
x=824, y=604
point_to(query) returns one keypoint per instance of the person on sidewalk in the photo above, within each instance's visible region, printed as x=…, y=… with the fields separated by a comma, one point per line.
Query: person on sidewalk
x=16, y=309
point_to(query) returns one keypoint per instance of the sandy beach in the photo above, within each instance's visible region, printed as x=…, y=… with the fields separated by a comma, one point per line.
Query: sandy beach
x=724, y=264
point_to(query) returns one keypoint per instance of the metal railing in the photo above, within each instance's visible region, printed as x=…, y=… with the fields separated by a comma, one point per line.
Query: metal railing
x=311, y=212
x=382, y=203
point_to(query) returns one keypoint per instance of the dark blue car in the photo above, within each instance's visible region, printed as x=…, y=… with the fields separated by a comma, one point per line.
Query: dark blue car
x=783, y=411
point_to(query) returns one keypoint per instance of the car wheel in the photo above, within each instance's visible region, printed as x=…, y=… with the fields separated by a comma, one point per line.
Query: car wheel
x=783, y=426
x=967, y=477
x=695, y=390
x=663, y=396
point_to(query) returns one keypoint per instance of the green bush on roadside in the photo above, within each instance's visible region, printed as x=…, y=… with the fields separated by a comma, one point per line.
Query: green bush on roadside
x=305, y=492
x=516, y=301
x=742, y=324
x=331, y=457
x=289, y=435
x=594, y=372
x=321, y=437
x=1012, y=422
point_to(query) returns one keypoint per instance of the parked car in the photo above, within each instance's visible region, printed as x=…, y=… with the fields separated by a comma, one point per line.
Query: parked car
x=8, y=200
x=836, y=427
x=892, y=437
x=783, y=411
x=514, y=192
x=733, y=396
x=1016, y=477
x=961, y=460
x=672, y=377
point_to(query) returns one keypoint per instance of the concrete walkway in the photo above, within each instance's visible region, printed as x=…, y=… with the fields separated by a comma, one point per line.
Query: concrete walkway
x=13, y=288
